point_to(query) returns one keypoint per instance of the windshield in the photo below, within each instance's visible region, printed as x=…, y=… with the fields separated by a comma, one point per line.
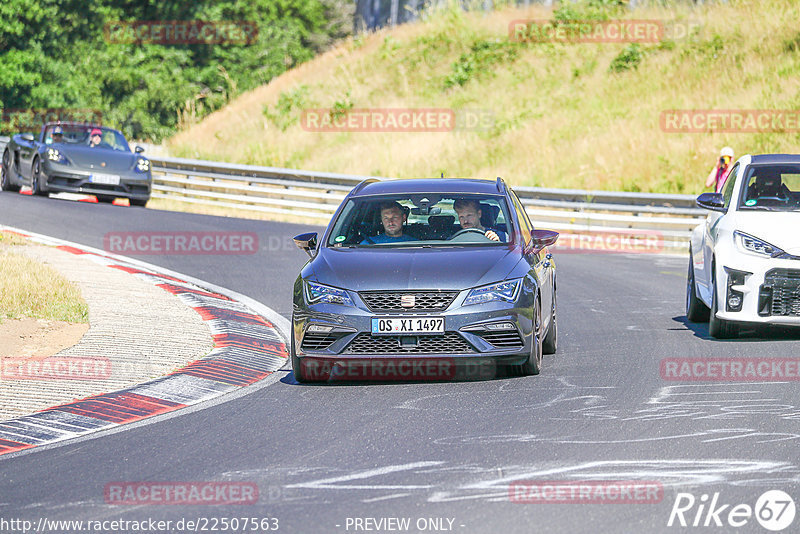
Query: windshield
x=771, y=188
x=82, y=135
x=429, y=219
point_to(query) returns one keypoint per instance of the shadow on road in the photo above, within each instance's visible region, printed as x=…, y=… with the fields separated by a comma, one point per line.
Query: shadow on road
x=747, y=333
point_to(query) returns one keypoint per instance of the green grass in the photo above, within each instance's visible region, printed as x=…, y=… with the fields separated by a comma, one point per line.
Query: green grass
x=576, y=115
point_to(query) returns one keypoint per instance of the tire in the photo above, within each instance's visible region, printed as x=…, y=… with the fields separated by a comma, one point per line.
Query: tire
x=139, y=203
x=105, y=199
x=720, y=328
x=36, y=179
x=5, y=178
x=550, y=341
x=533, y=364
x=297, y=369
x=696, y=310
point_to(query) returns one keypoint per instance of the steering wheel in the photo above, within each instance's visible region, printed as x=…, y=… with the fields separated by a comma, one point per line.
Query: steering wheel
x=465, y=231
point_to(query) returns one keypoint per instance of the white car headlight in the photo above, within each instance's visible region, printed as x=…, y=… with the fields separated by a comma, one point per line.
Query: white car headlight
x=316, y=293
x=503, y=291
x=142, y=165
x=755, y=245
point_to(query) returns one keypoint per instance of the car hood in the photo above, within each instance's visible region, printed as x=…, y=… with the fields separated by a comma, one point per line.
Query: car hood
x=404, y=268
x=94, y=158
x=776, y=228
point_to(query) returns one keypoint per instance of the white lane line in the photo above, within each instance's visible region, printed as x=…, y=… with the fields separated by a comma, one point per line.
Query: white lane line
x=331, y=483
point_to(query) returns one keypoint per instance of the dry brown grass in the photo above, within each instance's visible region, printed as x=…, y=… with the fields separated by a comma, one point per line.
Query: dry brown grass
x=32, y=289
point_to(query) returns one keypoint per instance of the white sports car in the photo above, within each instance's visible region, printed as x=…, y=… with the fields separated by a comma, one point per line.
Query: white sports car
x=744, y=262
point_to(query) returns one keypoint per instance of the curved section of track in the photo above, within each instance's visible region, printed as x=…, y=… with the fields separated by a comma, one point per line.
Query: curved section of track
x=319, y=455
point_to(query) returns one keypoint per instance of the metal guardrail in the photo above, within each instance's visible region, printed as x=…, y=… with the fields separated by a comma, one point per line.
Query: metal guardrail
x=316, y=195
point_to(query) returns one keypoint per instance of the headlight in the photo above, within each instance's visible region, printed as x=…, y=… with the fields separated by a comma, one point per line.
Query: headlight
x=54, y=155
x=320, y=293
x=142, y=165
x=752, y=244
x=503, y=291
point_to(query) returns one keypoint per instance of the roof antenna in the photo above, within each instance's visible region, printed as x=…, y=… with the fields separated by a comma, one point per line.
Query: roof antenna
x=442, y=174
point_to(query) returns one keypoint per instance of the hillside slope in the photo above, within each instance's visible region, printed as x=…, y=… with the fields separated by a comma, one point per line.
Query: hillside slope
x=581, y=115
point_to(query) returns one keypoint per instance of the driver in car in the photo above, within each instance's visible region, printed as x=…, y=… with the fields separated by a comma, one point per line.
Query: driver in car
x=469, y=216
x=95, y=137
x=58, y=135
x=768, y=185
x=393, y=217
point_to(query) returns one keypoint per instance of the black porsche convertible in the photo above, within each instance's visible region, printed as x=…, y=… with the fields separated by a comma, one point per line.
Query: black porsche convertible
x=77, y=158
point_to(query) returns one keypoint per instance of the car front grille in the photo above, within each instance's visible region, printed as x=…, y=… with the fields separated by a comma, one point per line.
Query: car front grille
x=449, y=343
x=424, y=301
x=503, y=340
x=780, y=294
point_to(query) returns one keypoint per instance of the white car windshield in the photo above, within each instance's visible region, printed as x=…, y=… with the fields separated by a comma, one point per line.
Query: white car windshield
x=771, y=188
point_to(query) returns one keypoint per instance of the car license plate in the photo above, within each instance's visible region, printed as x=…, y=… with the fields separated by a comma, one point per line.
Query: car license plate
x=107, y=179
x=408, y=325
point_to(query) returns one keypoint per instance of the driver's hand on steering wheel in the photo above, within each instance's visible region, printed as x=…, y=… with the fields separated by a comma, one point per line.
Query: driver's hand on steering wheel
x=492, y=235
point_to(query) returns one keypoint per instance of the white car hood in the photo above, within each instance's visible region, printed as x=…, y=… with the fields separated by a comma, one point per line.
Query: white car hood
x=781, y=229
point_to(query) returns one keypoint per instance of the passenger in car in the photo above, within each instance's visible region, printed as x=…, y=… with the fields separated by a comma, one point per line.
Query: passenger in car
x=393, y=217
x=469, y=216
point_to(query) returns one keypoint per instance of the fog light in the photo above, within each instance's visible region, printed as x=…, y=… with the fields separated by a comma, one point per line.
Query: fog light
x=733, y=301
x=500, y=326
x=319, y=328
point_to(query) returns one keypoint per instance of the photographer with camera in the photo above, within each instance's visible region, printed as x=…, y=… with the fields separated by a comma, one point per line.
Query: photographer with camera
x=718, y=175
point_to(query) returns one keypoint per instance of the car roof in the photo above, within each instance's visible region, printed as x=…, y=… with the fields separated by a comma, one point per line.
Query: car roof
x=427, y=185
x=762, y=159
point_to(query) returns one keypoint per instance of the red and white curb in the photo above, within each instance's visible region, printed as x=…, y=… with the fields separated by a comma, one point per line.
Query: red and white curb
x=248, y=347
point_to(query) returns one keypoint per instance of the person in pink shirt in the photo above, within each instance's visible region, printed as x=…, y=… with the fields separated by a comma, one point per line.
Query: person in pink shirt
x=718, y=175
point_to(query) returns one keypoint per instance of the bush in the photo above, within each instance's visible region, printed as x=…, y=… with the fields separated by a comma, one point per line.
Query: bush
x=629, y=58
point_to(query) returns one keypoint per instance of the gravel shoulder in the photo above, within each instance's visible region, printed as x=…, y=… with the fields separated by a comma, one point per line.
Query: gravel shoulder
x=137, y=332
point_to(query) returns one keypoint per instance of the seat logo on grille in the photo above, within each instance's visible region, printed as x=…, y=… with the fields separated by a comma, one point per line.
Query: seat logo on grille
x=407, y=301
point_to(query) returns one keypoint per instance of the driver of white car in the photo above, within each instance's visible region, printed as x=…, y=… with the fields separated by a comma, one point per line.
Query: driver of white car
x=767, y=184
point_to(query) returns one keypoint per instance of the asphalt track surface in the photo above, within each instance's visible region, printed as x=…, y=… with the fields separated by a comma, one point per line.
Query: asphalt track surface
x=322, y=454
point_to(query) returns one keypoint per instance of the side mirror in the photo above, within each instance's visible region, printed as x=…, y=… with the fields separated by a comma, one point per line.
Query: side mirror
x=306, y=242
x=139, y=149
x=712, y=201
x=543, y=238
x=27, y=137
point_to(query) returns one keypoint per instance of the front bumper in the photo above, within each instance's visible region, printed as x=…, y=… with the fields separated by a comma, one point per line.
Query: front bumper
x=769, y=290
x=62, y=178
x=331, y=334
